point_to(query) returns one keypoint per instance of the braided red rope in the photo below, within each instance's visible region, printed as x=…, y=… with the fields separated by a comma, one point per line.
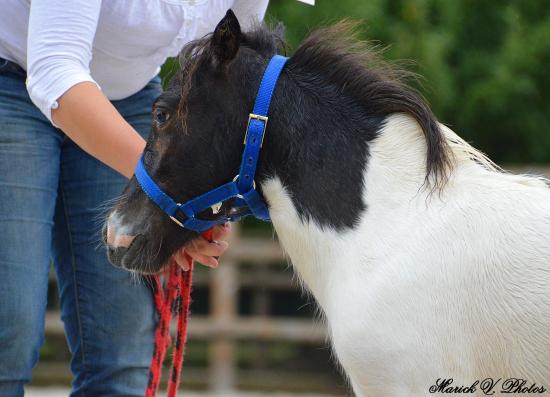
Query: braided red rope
x=173, y=297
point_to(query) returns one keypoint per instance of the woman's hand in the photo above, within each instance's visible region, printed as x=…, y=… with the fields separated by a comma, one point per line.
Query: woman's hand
x=202, y=250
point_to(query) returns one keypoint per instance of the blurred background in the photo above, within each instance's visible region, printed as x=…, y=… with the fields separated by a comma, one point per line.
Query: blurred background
x=484, y=67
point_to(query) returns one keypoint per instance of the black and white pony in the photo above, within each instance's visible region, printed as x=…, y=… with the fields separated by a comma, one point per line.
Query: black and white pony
x=427, y=261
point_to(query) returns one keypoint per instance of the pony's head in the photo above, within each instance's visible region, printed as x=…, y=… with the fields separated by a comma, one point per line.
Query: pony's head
x=195, y=141
x=332, y=99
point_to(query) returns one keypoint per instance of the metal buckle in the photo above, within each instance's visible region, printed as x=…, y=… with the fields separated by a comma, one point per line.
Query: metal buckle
x=257, y=117
x=253, y=185
x=178, y=222
x=175, y=219
x=235, y=180
x=216, y=208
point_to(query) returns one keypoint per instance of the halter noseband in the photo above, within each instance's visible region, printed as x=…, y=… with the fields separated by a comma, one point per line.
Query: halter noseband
x=242, y=188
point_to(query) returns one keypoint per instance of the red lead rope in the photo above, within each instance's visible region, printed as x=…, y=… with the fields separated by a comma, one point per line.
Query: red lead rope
x=173, y=297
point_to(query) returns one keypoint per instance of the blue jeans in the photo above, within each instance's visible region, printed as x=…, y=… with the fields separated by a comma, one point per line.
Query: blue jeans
x=52, y=197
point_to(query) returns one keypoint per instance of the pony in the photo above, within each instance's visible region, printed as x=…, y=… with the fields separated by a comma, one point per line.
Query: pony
x=430, y=265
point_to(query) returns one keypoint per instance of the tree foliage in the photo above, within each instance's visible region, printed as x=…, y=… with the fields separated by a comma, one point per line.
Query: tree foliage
x=484, y=62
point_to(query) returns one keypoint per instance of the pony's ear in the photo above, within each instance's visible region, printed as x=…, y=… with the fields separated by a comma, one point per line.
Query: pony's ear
x=226, y=38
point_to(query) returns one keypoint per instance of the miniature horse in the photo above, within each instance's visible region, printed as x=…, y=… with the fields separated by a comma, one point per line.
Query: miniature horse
x=431, y=266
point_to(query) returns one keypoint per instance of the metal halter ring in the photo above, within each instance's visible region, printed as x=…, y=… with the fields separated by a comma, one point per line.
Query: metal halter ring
x=174, y=218
x=253, y=185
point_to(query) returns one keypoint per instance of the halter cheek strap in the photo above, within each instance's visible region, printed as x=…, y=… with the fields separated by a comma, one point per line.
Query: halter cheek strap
x=243, y=188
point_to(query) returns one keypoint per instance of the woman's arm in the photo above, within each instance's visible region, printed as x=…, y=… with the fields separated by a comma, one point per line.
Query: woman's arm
x=93, y=123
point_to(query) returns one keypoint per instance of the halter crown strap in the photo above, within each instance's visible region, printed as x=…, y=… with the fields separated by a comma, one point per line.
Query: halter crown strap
x=255, y=132
x=242, y=188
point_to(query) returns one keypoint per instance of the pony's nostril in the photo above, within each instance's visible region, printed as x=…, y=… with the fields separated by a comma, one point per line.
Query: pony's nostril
x=126, y=257
x=115, y=255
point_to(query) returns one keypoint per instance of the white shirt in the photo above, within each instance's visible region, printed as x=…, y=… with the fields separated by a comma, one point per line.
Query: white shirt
x=117, y=44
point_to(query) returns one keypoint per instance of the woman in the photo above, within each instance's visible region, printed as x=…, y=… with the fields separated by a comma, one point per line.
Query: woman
x=77, y=81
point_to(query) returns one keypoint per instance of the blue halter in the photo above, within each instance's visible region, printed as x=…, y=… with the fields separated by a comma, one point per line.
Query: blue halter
x=242, y=188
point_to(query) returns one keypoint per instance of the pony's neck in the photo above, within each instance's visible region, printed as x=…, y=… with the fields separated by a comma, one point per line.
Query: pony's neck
x=376, y=181
x=318, y=148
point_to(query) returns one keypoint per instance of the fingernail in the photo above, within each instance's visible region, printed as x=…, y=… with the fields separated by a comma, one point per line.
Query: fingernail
x=215, y=264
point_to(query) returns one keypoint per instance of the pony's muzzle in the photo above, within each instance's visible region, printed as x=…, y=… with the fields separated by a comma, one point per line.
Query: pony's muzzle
x=118, y=243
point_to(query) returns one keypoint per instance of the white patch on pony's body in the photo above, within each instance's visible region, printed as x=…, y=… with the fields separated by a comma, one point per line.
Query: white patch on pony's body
x=450, y=284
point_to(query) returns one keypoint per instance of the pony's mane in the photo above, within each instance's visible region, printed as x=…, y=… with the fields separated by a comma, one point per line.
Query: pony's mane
x=358, y=67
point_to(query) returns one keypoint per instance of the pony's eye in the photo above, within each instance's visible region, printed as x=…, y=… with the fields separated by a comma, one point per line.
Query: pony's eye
x=161, y=116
